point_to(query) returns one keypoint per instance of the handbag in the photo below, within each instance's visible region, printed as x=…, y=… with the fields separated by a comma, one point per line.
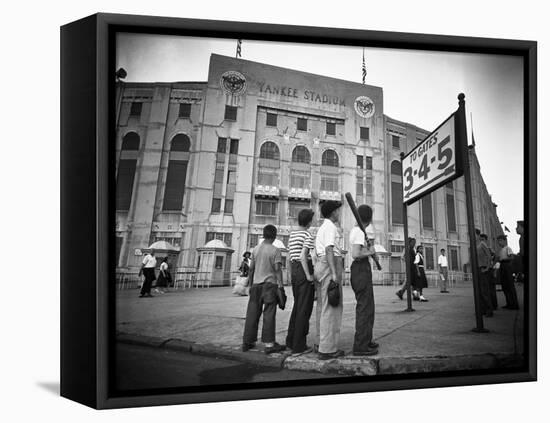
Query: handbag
x=281, y=298
x=333, y=293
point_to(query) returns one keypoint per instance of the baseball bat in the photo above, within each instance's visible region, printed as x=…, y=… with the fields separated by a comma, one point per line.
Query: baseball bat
x=355, y=212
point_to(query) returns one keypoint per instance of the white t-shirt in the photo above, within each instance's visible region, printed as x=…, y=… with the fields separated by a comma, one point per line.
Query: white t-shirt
x=442, y=261
x=328, y=235
x=149, y=261
x=357, y=237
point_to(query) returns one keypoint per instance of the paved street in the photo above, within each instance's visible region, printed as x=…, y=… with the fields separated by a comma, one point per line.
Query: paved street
x=141, y=367
x=440, y=327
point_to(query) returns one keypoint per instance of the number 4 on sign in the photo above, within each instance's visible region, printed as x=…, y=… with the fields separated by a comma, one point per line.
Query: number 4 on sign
x=424, y=168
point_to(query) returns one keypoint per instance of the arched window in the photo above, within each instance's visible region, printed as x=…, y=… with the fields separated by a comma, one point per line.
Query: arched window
x=329, y=158
x=126, y=171
x=180, y=142
x=176, y=175
x=130, y=141
x=269, y=150
x=300, y=154
x=396, y=193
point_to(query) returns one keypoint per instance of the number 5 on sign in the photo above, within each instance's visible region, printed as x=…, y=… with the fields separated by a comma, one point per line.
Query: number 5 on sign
x=432, y=163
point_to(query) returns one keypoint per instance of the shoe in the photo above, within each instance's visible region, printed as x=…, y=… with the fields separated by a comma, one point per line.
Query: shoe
x=370, y=351
x=328, y=356
x=444, y=292
x=399, y=294
x=373, y=344
x=422, y=299
x=141, y=295
x=245, y=347
x=274, y=349
x=306, y=351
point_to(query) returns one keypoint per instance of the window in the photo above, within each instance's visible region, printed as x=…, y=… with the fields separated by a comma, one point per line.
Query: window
x=218, y=176
x=180, y=142
x=396, y=193
x=269, y=177
x=185, y=110
x=130, y=142
x=219, y=262
x=175, y=185
x=429, y=257
x=329, y=158
x=234, y=147
x=266, y=208
x=230, y=113
x=300, y=154
x=302, y=124
x=253, y=240
x=174, y=238
x=395, y=141
x=222, y=236
x=364, y=133
x=294, y=207
x=359, y=162
x=126, y=173
x=329, y=183
x=368, y=185
x=368, y=163
x=359, y=190
x=271, y=119
x=453, y=259
x=222, y=145
x=269, y=150
x=427, y=215
x=451, y=217
x=331, y=128
x=135, y=109
x=299, y=178
x=228, y=209
x=216, y=205
x=397, y=247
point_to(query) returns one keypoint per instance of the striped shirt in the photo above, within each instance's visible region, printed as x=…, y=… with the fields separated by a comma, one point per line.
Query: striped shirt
x=297, y=241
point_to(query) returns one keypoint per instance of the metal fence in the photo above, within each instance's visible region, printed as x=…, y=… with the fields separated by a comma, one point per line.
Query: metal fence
x=185, y=279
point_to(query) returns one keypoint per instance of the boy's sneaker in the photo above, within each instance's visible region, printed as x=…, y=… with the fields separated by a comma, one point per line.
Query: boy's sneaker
x=328, y=356
x=399, y=294
x=274, y=349
x=245, y=347
x=370, y=351
x=423, y=299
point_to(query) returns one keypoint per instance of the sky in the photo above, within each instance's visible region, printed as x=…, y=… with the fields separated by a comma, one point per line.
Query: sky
x=419, y=87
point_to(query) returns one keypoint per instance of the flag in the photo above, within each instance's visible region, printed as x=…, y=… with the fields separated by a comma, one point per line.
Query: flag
x=506, y=228
x=239, y=43
x=364, y=68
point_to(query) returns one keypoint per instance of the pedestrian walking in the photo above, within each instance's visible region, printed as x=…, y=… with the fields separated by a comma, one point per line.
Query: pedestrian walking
x=522, y=259
x=419, y=281
x=266, y=277
x=148, y=271
x=492, y=276
x=443, y=271
x=300, y=243
x=412, y=255
x=164, y=277
x=329, y=267
x=242, y=281
x=505, y=257
x=484, y=266
x=361, y=283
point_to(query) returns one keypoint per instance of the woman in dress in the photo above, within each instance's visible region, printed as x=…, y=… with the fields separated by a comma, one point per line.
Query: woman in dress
x=241, y=282
x=419, y=279
x=164, y=278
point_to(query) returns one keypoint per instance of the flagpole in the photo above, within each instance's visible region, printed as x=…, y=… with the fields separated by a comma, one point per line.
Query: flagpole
x=364, y=67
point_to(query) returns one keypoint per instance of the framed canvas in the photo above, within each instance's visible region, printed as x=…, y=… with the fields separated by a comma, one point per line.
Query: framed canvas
x=208, y=252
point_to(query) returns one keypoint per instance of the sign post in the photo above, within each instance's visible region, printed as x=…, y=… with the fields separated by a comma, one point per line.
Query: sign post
x=463, y=142
x=408, y=270
x=440, y=158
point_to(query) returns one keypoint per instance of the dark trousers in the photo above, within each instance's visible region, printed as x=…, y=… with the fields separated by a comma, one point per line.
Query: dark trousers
x=485, y=300
x=361, y=283
x=493, y=290
x=303, y=292
x=149, y=274
x=507, y=283
x=262, y=299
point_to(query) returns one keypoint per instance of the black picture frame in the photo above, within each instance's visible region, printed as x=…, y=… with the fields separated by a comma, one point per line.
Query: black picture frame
x=87, y=92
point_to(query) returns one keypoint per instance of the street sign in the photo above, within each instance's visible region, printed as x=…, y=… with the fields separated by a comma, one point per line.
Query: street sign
x=432, y=163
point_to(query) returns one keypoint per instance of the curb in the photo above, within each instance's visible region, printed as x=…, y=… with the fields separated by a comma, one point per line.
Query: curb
x=347, y=365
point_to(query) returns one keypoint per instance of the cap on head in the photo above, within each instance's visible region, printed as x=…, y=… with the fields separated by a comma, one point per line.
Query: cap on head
x=328, y=207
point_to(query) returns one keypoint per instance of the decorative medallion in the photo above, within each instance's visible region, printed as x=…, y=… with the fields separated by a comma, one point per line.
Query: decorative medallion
x=364, y=106
x=233, y=82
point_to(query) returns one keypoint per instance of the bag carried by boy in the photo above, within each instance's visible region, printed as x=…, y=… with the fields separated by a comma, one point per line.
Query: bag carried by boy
x=333, y=293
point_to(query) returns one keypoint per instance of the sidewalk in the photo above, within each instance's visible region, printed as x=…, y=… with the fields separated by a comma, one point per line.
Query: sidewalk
x=436, y=337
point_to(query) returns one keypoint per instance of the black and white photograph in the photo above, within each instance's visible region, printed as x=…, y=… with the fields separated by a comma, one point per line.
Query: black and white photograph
x=292, y=211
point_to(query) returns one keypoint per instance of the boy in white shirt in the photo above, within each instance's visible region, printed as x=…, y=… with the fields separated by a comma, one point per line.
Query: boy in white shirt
x=443, y=271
